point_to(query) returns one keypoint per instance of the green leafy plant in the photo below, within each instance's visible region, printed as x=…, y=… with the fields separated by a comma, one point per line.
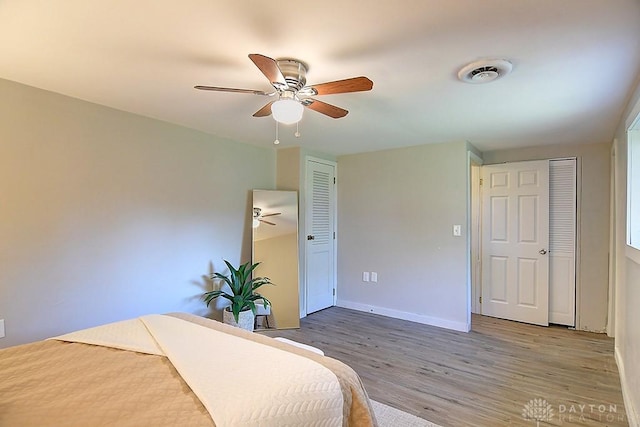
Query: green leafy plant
x=243, y=294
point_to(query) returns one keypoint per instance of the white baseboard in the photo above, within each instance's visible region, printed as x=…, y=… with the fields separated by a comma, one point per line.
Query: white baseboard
x=412, y=317
x=632, y=411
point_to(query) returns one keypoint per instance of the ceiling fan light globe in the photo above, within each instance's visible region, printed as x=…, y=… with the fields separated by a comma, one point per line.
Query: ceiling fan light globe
x=287, y=111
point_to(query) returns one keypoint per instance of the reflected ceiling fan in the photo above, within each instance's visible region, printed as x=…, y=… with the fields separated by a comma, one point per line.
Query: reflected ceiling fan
x=258, y=217
x=288, y=78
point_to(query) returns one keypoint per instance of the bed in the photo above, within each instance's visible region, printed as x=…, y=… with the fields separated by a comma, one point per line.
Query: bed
x=188, y=371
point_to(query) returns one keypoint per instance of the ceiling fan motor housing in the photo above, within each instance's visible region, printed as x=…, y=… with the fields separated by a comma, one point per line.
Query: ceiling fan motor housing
x=294, y=72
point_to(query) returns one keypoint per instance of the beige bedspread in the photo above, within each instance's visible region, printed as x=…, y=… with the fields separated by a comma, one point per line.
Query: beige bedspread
x=53, y=383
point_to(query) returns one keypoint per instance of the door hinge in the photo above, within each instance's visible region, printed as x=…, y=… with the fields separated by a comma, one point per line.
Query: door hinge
x=334, y=292
x=334, y=235
x=334, y=179
x=480, y=300
x=480, y=181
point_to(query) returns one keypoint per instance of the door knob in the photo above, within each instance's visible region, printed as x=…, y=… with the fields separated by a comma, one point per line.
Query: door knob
x=310, y=237
x=542, y=251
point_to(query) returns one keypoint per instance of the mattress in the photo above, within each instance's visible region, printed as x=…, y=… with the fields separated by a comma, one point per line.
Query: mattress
x=57, y=383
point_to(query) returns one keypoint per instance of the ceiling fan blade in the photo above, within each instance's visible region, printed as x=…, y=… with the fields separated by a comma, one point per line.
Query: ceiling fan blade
x=264, y=112
x=272, y=214
x=266, y=222
x=324, y=108
x=355, y=84
x=269, y=68
x=230, y=89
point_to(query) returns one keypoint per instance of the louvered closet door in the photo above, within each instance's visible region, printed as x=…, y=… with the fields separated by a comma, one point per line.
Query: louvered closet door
x=562, y=241
x=320, y=220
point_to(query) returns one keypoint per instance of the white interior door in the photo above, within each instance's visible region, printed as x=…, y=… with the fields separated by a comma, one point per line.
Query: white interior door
x=320, y=232
x=515, y=264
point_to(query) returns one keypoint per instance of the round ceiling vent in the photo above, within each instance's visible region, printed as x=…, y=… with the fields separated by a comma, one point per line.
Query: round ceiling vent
x=484, y=71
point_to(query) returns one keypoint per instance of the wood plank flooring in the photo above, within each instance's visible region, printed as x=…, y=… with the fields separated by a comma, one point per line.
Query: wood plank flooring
x=481, y=378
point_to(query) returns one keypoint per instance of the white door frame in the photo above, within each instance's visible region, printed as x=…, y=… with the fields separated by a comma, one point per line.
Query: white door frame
x=475, y=236
x=475, y=291
x=304, y=226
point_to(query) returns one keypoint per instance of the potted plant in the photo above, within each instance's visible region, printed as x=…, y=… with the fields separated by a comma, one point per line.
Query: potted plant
x=243, y=294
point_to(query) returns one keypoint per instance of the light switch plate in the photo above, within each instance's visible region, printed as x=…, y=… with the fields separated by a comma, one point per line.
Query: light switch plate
x=374, y=276
x=365, y=276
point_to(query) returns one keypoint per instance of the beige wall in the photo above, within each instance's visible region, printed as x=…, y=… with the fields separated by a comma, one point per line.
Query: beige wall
x=626, y=276
x=288, y=169
x=276, y=256
x=592, y=275
x=105, y=215
x=291, y=176
x=396, y=209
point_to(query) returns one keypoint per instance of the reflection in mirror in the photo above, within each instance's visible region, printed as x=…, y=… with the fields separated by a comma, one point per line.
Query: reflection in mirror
x=275, y=247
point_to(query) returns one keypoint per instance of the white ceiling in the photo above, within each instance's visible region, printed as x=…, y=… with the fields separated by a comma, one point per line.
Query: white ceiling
x=574, y=65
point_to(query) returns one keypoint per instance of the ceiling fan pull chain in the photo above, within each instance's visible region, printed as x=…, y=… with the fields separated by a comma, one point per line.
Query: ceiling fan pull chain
x=277, y=141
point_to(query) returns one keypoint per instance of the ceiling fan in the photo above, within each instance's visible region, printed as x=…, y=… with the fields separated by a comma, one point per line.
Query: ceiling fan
x=258, y=217
x=288, y=77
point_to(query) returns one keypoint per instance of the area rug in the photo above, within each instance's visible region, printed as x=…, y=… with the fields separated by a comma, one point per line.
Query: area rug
x=392, y=417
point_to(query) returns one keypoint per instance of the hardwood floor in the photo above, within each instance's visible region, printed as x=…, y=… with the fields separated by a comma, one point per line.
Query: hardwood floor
x=481, y=378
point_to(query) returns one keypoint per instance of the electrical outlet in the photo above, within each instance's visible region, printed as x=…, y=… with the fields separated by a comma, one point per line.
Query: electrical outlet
x=457, y=230
x=365, y=276
x=1, y=328
x=374, y=276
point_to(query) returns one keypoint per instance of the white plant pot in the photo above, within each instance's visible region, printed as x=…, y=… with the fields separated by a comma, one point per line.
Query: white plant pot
x=245, y=321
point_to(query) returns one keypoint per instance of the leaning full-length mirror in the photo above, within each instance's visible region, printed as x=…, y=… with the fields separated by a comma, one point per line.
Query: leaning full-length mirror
x=275, y=247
